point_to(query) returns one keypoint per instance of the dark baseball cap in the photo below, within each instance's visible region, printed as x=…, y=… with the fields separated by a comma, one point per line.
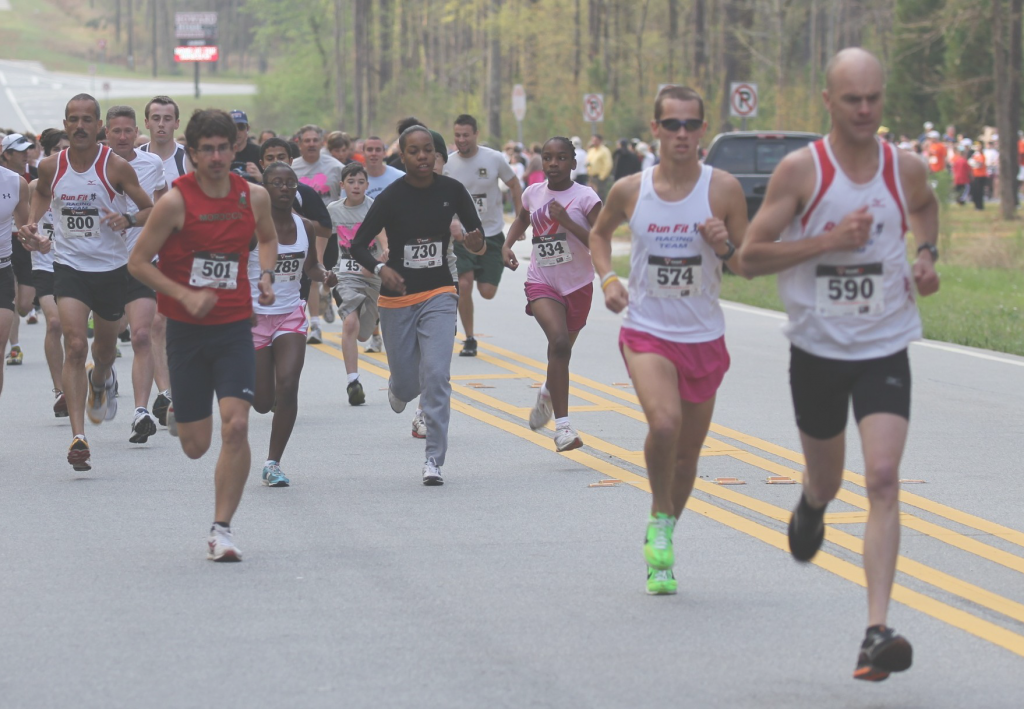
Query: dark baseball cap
x=239, y=117
x=439, y=145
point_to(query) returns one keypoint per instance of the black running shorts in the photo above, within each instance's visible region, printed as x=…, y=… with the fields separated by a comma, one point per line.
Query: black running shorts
x=6, y=289
x=105, y=292
x=21, y=259
x=137, y=289
x=822, y=389
x=43, y=281
x=208, y=359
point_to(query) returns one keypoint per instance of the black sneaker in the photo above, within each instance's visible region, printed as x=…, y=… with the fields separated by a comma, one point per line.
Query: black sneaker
x=806, y=530
x=160, y=408
x=468, y=347
x=355, y=393
x=882, y=652
x=125, y=335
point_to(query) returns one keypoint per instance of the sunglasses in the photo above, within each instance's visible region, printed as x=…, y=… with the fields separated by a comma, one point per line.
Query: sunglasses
x=283, y=184
x=674, y=124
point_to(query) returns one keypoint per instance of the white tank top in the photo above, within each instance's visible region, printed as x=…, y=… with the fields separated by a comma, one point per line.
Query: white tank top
x=852, y=305
x=44, y=262
x=150, y=169
x=675, y=277
x=79, y=198
x=290, y=260
x=10, y=194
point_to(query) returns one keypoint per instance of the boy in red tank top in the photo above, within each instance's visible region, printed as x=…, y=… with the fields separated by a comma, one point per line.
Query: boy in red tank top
x=201, y=230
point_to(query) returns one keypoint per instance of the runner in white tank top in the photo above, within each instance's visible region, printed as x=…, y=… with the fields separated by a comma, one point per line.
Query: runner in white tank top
x=279, y=330
x=842, y=207
x=685, y=218
x=14, y=212
x=80, y=186
x=140, y=308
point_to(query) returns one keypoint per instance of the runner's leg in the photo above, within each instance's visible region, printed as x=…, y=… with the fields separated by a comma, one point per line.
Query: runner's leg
x=235, y=457
x=823, y=473
x=466, y=302
x=289, y=357
x=140, y=314
x=52, y=345
x=104, y=347
x=551, y=317
x=399, y=330
x=158, y=349
x=435, y=330
x=693, y=429
x=73, y=317
x=349, y=342
x=265, y=394
x=7, y=318
x=883, y=437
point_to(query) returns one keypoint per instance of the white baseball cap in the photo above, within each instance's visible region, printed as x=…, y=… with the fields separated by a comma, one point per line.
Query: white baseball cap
x=16, y=141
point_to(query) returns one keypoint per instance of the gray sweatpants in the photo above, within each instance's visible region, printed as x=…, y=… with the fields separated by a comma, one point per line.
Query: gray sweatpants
x=418, y=341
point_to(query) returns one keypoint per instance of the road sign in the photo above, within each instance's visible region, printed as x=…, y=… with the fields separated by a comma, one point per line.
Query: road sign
x=519, y=102
x=196, y=25
x=196, y=54
x=593, y=108
x=106, y=86
x=743, y=99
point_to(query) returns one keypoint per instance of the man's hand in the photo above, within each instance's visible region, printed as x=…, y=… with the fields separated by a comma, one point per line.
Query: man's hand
x=114, y=220
x=199, y=302
x=474, y=242
x=715, y=234
x=925, y=277
x=253, y=171
x=852, y=232
x=509, y=258
x=267, y=295
x=392, y=280
x=455, y=229
x=330, y=279
x=616, y=297
x=557, y=211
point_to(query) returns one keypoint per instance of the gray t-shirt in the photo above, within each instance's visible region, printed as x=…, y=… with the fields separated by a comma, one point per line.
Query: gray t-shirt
x=376, y=185
x=324, y=176
x=480, y=175
x=345, y=221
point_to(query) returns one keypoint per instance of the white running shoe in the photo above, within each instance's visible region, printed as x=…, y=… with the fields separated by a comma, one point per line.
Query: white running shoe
x=172, y=423
x=566, y=439
x=112, y=392
x=96, y=398
x=397, y=405
x=432, y=473
x=542, y=411
x=419, y=426
x=315, y=337
x=222, y=545
x=143, y=426
x=376, y=345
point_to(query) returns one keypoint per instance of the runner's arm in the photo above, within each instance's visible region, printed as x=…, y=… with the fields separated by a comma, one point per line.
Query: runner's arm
x=473, y=235
x=516, y=188
x=266, y=237
x=125, y=176
x=616, y=297
x=729, y=207
x=923, y=215
x=313, y=266
x=515, y=233
x=371, y=226
x=168, y=217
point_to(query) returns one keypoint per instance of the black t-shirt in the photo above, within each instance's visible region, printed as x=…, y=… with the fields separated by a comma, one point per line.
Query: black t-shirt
x=395, y=161
x=308, y=204
x=250, y=153
x=626, y=163
x=420, y=218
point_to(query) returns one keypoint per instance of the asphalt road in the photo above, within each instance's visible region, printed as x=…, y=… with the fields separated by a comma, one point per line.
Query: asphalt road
x=516, y=584
x=32, y=98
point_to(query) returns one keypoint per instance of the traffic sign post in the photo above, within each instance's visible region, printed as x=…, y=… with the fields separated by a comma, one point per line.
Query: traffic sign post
x=593, y=110
x=519, y=109
x=743, y=101
x=196, y=33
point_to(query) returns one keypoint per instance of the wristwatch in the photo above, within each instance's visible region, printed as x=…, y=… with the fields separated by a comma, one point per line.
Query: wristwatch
x=130, y=218
x=378, y=268
x=271, y=272
x=728, y=254
x=930, y=248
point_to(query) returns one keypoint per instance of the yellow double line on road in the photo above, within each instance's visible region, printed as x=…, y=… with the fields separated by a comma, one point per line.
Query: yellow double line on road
x=944, y=612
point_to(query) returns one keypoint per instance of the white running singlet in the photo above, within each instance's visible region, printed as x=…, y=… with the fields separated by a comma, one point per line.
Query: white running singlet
x=10, y=194
x=79, y=199
x=41, y=261
x=675, y=277
x=852, y=305
x=174, y=166
x=150, y=169
x=287, y=273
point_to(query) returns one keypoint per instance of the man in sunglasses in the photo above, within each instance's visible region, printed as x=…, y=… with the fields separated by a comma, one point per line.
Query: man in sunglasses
x=832, y=226
x=686, y=219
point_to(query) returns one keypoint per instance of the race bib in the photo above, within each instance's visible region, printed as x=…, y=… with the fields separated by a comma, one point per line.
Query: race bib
x=850, y=290
x=210, y=270
x=673, y=277
x=80, y=223
x=347, y=265
x=480, y=200
x=289, y=267
x=551, y=250
x=48, y=230
x=423, y=253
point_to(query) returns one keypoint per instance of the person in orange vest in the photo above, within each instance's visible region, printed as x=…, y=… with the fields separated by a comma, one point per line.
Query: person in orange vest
x=979, y=175
x=936, y=152
x=961, y=176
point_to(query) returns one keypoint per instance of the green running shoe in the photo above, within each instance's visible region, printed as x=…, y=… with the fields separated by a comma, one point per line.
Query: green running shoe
x=658, y=544
x=661, y=582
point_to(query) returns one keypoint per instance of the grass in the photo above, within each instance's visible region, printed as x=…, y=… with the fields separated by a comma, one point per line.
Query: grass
x=981, y=300
x=63, y=36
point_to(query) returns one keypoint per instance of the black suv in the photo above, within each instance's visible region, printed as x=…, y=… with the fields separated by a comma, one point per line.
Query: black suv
x=752, y=156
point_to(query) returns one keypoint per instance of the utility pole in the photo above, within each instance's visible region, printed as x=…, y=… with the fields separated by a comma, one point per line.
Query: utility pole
x=152, y=8
x=131, y=46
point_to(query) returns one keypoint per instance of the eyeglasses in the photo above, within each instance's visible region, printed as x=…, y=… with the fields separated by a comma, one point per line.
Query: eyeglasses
x=674, y=124
x=283, y=185
x=213, y=149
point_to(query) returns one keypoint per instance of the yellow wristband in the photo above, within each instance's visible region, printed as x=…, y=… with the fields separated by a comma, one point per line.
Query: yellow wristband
x=605, y=283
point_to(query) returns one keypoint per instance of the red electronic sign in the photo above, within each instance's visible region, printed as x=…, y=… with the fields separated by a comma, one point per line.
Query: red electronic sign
x=195, y=54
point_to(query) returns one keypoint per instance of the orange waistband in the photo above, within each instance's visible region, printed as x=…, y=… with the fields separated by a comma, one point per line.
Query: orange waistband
x=404, y=301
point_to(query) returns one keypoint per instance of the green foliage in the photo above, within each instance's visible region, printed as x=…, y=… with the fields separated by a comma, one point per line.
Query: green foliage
x=919, y=55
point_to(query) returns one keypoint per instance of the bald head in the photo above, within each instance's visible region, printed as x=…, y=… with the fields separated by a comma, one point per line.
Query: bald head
x=853, y=64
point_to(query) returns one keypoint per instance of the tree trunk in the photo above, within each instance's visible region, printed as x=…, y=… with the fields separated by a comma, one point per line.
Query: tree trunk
x=1006, y=27
x=700, y=51
x=494, y=71
x=641, y=88
x=337, y=71
x=672, y=37
x=387, y=29
x=577, y=50
x=359, y=78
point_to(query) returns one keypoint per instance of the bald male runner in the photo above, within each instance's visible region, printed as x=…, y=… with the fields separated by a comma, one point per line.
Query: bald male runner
x=832, y=226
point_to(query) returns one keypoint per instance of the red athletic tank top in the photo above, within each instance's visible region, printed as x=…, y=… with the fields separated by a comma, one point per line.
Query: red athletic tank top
x=211, y=251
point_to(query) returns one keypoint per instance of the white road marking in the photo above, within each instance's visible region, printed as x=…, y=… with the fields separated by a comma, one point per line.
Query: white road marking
x=25, y=124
